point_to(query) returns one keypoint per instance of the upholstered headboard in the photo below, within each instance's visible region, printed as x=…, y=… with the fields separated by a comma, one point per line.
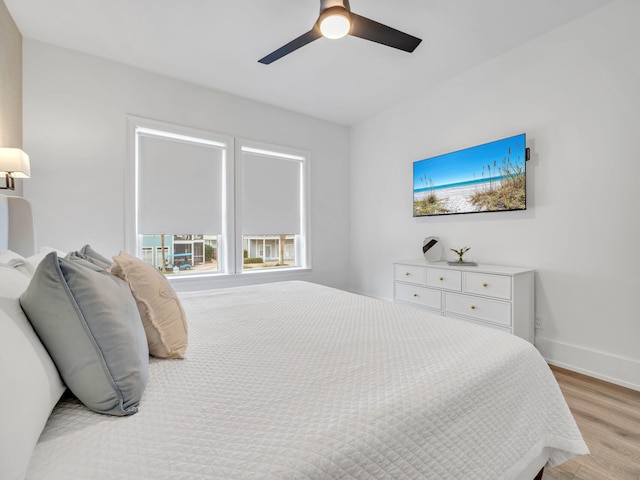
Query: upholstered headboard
x=16, y=226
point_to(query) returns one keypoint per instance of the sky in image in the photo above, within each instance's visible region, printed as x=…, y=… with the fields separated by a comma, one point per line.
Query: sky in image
x=467, y=164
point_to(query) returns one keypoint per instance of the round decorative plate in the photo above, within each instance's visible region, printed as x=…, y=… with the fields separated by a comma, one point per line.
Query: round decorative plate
x=432, y=249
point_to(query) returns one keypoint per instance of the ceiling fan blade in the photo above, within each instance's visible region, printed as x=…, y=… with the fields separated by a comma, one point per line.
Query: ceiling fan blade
x=292, y=46
x=377, y=32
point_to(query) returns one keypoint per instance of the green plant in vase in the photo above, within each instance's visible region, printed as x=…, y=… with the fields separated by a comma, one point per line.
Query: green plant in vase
x=460, y=253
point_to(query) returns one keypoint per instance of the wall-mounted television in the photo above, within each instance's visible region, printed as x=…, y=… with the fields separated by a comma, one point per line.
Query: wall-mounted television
x=485, y=178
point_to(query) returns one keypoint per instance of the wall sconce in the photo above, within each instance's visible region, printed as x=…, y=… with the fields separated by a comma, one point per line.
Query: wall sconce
x=14, y=163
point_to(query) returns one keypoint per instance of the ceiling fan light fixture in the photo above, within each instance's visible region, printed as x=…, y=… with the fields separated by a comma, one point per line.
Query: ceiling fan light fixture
x=335, y=22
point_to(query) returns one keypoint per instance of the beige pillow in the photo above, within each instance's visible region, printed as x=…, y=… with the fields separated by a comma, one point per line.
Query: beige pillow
x=162, y=315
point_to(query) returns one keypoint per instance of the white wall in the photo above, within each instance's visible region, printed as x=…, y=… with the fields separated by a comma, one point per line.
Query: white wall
x=75, y=108
x=10, y=88
x=574, y=91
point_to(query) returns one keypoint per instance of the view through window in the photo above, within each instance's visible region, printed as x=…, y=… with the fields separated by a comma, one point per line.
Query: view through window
x=182, y=253
x=265, y=251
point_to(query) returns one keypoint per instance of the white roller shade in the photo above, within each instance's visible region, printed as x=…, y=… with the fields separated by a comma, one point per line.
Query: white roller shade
x=180, y=186
x=271, y=202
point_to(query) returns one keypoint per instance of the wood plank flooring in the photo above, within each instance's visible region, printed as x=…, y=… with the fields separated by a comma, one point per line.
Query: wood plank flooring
x=609, y=418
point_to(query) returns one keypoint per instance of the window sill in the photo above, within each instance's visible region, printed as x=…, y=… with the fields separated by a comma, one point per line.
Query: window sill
x=208, y=281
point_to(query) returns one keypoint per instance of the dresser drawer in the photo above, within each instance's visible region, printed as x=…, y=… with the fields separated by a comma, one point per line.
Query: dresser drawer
x=441, y=278
x=486, y=284
x=409, y=273
x=494, y=326
x=484, y=309
x=423, y=296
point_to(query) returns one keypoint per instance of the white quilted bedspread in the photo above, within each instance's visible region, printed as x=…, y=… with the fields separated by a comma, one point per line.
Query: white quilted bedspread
x=298, y=381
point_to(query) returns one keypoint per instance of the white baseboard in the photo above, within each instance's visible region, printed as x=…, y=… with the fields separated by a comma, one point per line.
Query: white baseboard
x=605, y=366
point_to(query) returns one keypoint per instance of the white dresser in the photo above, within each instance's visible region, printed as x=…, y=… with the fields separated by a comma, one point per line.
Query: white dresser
x=497, y=296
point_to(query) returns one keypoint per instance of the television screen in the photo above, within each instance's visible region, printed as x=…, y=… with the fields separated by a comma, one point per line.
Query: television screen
x=485, y=178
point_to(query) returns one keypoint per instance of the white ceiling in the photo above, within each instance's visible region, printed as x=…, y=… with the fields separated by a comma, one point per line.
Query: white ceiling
x=217, y=43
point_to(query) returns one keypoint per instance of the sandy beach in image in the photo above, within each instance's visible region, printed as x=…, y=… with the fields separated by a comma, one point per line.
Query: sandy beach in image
x=457, y=197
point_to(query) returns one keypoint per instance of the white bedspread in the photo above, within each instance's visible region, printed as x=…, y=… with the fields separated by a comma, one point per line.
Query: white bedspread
x=298, y=381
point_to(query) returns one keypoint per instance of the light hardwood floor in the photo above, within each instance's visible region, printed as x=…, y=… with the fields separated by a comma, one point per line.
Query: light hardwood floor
x=609, y=418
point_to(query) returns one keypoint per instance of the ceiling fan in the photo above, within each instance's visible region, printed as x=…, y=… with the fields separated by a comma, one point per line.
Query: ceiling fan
x=337, y=20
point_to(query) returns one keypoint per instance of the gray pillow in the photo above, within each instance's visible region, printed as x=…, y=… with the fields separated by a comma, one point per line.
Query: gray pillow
x=89, y=254
x=89, y=322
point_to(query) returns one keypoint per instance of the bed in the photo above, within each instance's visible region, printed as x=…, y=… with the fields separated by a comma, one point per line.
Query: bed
x=293, y=380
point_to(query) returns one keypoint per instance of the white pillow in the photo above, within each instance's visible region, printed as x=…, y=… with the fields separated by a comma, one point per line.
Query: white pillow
x=31, y=385
x=34, y=260
x=13, y=279
x=16, y=261
x=7, y=255
x=28, y=265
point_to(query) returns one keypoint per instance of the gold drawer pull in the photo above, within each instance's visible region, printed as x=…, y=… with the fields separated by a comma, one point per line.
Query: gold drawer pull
x=485, y=284
x=441, y=278
x=415, y=294
x=407, y=274
x=473, y=307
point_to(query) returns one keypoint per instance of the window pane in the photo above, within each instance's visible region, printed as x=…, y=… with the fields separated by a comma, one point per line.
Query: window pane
x=181, y=253
x=269, y=251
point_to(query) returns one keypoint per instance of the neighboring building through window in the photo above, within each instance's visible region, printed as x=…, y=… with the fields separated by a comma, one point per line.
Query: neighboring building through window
x=184, y=253
x=269, y=251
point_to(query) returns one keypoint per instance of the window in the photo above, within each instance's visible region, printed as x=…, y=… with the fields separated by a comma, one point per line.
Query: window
x=271, y=202
x=194, y=207
x=179, y=193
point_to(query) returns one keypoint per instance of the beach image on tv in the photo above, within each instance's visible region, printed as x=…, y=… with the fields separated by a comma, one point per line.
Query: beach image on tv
x=485, y=178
